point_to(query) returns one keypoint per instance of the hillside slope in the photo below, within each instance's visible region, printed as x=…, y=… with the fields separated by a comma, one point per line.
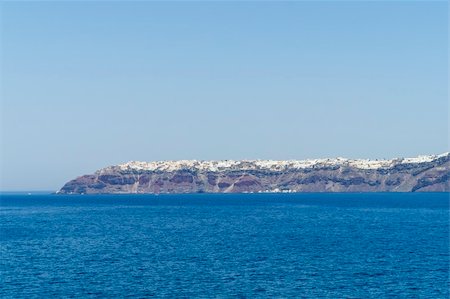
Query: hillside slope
x=421, y=174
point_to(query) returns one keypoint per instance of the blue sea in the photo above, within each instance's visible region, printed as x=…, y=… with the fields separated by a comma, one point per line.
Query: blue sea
x=225, y=245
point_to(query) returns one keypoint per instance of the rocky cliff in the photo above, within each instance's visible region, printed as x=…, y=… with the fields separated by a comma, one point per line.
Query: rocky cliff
x=421, y=174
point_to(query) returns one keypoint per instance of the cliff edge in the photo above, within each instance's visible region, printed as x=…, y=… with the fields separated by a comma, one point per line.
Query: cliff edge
x=420, y=174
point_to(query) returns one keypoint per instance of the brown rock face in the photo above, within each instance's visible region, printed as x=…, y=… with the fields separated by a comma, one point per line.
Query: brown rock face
x=428, y=176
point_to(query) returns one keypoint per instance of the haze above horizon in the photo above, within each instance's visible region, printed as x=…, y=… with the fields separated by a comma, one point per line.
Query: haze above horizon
x=85, y=85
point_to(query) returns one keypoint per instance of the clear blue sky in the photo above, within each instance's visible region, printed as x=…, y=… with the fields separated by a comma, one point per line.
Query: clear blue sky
x=90, y=84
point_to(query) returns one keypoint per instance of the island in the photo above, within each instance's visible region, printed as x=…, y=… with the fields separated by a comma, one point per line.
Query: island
x=421, y=174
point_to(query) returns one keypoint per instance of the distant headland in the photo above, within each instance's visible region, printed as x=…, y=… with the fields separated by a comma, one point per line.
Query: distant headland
x=421, y=174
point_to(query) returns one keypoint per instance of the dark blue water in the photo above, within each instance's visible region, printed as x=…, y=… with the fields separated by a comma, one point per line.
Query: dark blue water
x=251, y=245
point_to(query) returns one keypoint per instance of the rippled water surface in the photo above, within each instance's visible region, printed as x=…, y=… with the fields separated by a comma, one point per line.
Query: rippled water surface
x=250, y=245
